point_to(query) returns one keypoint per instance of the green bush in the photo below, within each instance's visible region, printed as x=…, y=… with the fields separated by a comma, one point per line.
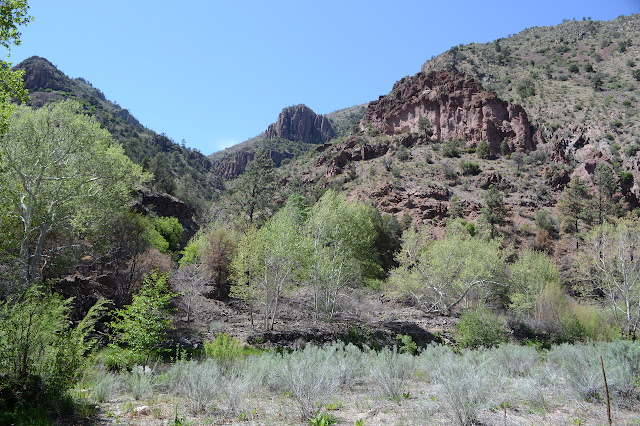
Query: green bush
x=225, y=350
x=451, y=148
x=483, y=150
x=470, y=168
x=480, y=328
x=626, y=178
x=143, y=324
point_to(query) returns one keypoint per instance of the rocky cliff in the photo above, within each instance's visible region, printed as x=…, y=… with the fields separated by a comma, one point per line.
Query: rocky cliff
x=456, y=106
x=234, y=164
x=299, y=123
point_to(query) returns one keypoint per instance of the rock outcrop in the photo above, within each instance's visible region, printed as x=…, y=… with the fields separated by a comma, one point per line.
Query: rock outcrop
x=299, y=123
x=234, y=164
x=456, y=106
x=41, y=74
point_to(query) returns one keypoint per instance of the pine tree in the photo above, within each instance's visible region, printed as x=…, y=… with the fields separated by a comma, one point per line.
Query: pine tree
x=575, y=208
x=256, y=187
x=495, y=213
x=606, y=187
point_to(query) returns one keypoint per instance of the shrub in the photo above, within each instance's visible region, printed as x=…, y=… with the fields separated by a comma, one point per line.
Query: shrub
x=104, y=383
x=139, y=382
x=515, y=360
x=480, y=328
x=143, y=324
x=464, y=389
x=626, y=178
x=432, y=357
x=390, y=370
x=451, y=148
x=470, y=168
x=38, y=344
x=199, y=383
x=309, y=376
x=483, y=150
x=225, y=350
x=544, y=220
x=403, y=153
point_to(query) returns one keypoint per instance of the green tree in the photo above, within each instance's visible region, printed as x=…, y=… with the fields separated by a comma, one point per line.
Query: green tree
x=606, y=186
x=171, y=230
x=495, y=213
x=574, y=206
x=255, y=188
x=530, y=275
x=268, y=262
x=341, y=235
x=142, y=325
x=62, y=172
x=13, y=14
x=609, y=263
x=439, y=275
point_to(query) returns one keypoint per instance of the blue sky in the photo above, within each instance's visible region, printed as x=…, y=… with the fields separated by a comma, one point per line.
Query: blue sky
x=217, y=73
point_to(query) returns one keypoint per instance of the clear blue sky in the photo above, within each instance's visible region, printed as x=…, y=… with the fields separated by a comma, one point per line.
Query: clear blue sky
x=219, y=72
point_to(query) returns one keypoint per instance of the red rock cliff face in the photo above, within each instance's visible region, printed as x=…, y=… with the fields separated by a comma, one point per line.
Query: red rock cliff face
x=456, y=106
x=300, y=123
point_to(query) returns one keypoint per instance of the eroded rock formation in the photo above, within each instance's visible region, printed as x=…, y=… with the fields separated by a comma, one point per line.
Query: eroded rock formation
x=299, y=123
x=456, y=106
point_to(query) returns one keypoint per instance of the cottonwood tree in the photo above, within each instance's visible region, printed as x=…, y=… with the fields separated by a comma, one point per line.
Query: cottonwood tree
x=60, y=172
x=268, y=262
x=341, y=236
x=609, y=263
x=439, y=275
x=531, y=273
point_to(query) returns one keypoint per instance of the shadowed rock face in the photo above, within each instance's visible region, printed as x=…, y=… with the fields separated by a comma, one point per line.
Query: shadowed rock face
x=456, y=106
x=299, y=123
x=42, y=74
x=235, y=164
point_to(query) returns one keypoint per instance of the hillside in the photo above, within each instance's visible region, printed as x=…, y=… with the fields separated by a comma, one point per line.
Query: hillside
x=178, y=170
x=556, y=123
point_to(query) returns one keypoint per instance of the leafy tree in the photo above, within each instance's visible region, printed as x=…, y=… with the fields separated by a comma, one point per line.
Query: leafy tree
x=530, y=274
x=142, y=325
x=609, y=263
x=341, y=236
x=255, y=188
x=425, y=128
x=439, y=275
x=574, y=206
x=494, y=214
x=171, y=230
x=268, y=262
x=62, y=172
x=13, y=14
